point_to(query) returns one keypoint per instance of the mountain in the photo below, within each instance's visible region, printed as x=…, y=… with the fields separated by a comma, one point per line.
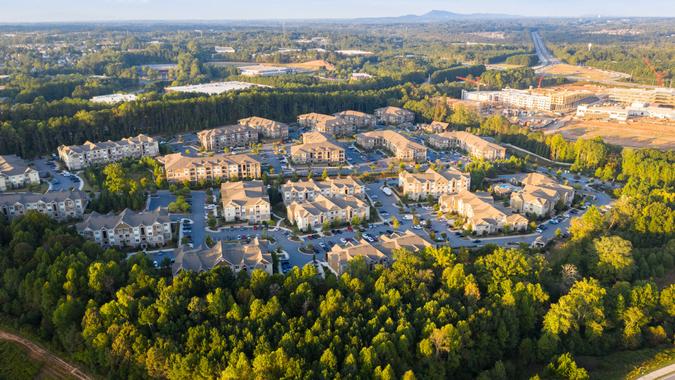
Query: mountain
x=432, y=16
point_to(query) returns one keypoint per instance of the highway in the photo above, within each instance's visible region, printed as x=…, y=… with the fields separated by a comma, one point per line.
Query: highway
x=545, y=56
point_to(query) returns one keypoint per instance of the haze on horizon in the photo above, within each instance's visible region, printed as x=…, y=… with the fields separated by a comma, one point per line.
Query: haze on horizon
x=129, y=10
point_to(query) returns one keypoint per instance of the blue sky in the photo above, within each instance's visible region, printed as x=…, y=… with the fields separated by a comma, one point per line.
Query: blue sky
x=93, y=10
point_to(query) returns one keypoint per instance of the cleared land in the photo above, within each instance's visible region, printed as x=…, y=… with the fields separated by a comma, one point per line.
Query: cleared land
x=313, y=65
x=636, y=134
x=583, y=72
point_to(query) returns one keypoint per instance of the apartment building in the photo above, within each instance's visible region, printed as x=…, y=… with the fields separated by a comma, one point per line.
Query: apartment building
x=180, y=168
x=624, y=113
x=400, y=146
x=418, y=186
x=435, y=127
x=78, y=157
x=302, y=191
x=482, y=217
x=128, y=228
x=245, y=202
x=317, y=147
x=540, y=194
x=326, y=124
x=407, y=240
x=236, y=256
x=267, y=129
x=15, y=173
x=360, y=120
x=229, y=136
x=534, y=99
x=59, y=205
x=394, y=116
x=472, y=144
x=339, y=257
x=310, y=215
x=657, y=96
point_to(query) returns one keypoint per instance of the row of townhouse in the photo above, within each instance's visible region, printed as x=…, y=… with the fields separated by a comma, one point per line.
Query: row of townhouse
x=472, y=144
x=482, y=216
x=128, y=229
x=180, y=168
x=245, y=202
x=540, y=194
x=432, y=183
x=311, y=215
x=400, y=146
x=59, y=205
x=237, y=256
x=308, y=190
x=78, y=157
x=338, y=257
x=317, y=147
x=15, y=173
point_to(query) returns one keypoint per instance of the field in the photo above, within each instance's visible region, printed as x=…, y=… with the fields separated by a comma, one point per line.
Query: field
x=584, y=73
x=636, y=134
x=313, y=65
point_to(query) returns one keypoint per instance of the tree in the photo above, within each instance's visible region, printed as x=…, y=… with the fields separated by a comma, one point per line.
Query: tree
x=324, y=174
x=355, y=220
x=564, y=368
x=579, y=310
x=586, y=225
x=395, y=224
x=614, y=258
x=115, y=180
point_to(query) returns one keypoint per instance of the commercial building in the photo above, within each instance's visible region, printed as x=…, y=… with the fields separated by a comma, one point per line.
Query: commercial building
x=339, y=257
x=540, y=194
x=179, y=168
x=482, y=217
x=265, y=71
x=400, y=146
x=657, y=96
x=236, y=256
x=310, y=215
x=114, y=98
x=78, y=157
x=431, y=183
x=326, y=124
x=246, y=201
x=555, y=100
x=59, y=205
x=472, y=144
x=15, y=173
x=267, y=129
x=394, y=116
x=360, y=120
x=128, y=228
x=228, y=136
x=216, y=88
x=308, y=190
x=624, y=113
x=317, y=147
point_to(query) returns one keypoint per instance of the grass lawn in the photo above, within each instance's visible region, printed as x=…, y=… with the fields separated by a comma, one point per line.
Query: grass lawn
x=627, y=365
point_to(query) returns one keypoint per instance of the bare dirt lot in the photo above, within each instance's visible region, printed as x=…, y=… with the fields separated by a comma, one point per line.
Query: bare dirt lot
x=638, y=134
x=583, y=72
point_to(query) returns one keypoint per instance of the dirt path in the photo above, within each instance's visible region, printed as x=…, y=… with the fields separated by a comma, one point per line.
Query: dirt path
x=55, y=366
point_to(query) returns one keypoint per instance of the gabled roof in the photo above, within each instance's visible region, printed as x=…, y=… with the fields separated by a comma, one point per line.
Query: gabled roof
x=253, y=255
x=52, y=196
x=408, y=240
x=247, y=193
x=96, y=221
x=11, y=165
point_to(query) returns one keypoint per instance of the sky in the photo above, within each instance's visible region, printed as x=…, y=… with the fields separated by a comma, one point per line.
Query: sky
x=17, y=11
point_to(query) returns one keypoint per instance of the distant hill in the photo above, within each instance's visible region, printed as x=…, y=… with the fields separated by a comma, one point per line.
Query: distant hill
x=433, y=16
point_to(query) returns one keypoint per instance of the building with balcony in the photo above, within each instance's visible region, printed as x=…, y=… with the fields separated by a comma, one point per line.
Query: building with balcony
x=128, y=229
x=78, y=157
x=482, y=216
x=394, y=116
x=238, y=257
x=301, y=191
x=432, y=183
x=399, y=146
x=317, y=147
x=180, y=168
x=540, y=194
x=245, y=202
x=59, y=205
x=311, y=215
x=474, y=145
x=15, y=173
x=229, y=136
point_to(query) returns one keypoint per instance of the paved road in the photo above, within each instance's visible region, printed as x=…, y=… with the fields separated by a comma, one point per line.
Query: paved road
x=545, y=56
x=665, y=373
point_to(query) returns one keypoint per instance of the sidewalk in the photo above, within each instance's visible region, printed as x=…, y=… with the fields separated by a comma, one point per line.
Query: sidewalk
x=665, y=373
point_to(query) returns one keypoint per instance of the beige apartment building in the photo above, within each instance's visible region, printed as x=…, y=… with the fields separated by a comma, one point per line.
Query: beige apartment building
x=394, y=116
x=236, y=256
x=472, y=144
x=326, y=124
x=246, y=201
x=360, y=120
x=418, y=186
x=229, y=136
x=317, y=147
x=656, y=96
x=266, y=128
x=540, y=194
x=128, y=228
x=15, y=173
x=400, y=146
x=308, y=190
x=180, y=168
x=407, y=240
x=482, y=217
x=78, y=157
x=339, y=257
x=435, y=127
x=310, y=215
x=58, y=205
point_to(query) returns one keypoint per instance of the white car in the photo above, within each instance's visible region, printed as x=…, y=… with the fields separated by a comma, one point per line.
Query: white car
x=343, y=240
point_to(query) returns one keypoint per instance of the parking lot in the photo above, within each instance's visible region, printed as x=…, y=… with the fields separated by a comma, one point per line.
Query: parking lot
x=59, y=180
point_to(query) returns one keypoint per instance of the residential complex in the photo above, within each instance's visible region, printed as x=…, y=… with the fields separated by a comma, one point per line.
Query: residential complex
x=267, y=129
x=482, y=217
x=540, y=194
x=310, y=215
x=554, y=100
x=360, y=120
x=317, y=147
x=407, y=240
x=435, y=127
x=180, y=168
x=128, y=228
x=245, y=202
x=15, y=173
x=400, y=146
x=59, y=205
x=339, y=257
x=433, y=184
x=237, y=256
x=78, y=157
x=308, y=190
x=326, y=124
x=229, y=136
x=394, y=116
x=472, y=144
